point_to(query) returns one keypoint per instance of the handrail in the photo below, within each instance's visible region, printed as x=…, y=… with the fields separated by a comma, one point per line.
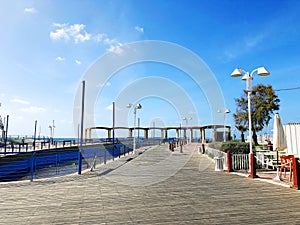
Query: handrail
x=212, y=153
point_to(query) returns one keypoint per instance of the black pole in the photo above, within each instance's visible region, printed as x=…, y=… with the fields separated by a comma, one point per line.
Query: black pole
x=6, y=133
x=34, y=135
x=113, y=129
x=81, y=129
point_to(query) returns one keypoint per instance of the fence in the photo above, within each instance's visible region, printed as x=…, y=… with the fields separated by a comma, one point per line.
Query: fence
x=49, y=163
x=214, y=153
x=239, y=161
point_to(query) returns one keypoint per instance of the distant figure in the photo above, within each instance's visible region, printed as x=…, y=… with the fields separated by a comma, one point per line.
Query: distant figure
x=23, y=140
x=270, y=145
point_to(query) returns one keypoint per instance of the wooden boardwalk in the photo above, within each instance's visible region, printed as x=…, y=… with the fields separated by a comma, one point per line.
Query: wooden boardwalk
x=186, y=190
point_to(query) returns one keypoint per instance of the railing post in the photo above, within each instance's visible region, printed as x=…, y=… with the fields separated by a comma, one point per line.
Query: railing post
x=79, y=162
x=32, y=169
x=296, y=171
x=252, y=166
x=229, y=162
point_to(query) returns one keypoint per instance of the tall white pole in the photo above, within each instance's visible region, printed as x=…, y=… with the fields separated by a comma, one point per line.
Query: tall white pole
x=250, y=121
x=53, y=129
x=81, y=129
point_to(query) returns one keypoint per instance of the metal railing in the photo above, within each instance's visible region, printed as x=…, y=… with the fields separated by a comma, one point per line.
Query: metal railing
x=214, y=153
x=240, y=161
x=49, y=163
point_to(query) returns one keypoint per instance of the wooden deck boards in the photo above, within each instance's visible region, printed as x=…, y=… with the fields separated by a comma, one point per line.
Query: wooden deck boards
x=195, y=194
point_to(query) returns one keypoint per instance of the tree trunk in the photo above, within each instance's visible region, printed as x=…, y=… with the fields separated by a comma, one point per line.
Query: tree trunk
x=243, y=137
x=255, y=138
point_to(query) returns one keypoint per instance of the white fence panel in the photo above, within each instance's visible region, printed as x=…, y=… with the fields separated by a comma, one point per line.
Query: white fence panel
x=212, y=153
x=292, y=133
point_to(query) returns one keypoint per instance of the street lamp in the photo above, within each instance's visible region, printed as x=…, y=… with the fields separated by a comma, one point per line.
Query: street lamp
x=224, y=132
x=138, y=106
x=52, y=131
x=248, y=77
x=187, y=121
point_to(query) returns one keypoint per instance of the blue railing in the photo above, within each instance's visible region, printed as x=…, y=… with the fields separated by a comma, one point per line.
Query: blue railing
x=48, y=163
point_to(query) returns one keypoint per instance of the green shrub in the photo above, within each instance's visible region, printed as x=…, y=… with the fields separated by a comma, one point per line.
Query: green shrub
x=215, y=145
x=235, y=147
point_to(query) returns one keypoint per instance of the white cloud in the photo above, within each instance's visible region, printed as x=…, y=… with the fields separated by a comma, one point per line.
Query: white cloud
x=78, y=34
x=139, y=29
x=20, y=101
x=82, y=37
x=59, y=24
x=100, y=37
x=30, y=10
x=102, y=85
x=60, y=59
x=77, y=62
x=33, y=109
x=110, y=107
x=67, y=32
x=110, y=41
x=254, y=41
x=116, y=49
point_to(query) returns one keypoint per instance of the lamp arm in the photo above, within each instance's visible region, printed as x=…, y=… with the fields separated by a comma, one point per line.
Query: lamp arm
x=253, y=71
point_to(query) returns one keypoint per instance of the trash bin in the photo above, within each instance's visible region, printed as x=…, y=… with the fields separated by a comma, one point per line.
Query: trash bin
x=219, y=163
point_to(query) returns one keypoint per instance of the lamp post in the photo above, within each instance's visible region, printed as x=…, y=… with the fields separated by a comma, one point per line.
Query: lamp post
x=113, y=126
x=138, y=106
x=187, y=121
x=225, y=112
x=52, y=132
x=248, y=77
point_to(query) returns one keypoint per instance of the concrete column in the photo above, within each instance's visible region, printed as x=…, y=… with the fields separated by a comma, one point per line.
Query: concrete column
x=166, y=134
x=146, y=133
x=214, y=137
x=177, y=132
x=108, y=133
x=191, y=135
x=86, y=133
x=130, y=132
x=202, y=131
x=162, y=133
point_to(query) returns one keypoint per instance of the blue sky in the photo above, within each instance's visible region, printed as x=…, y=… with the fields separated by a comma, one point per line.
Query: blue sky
x=47, y=46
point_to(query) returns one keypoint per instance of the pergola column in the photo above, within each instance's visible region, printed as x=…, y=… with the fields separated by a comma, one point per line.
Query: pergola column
x=191, y=136
x=166, y=134
x=108, y=133
x=202, y=131
x=177, y=132
x=214, y=137
x=146, y=133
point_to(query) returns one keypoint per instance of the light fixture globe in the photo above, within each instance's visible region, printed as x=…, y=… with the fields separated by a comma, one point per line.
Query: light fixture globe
x=236, y=73
x=262, y=71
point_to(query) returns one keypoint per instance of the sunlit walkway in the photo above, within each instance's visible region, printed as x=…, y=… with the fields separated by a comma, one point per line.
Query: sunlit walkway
x=155, y=187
